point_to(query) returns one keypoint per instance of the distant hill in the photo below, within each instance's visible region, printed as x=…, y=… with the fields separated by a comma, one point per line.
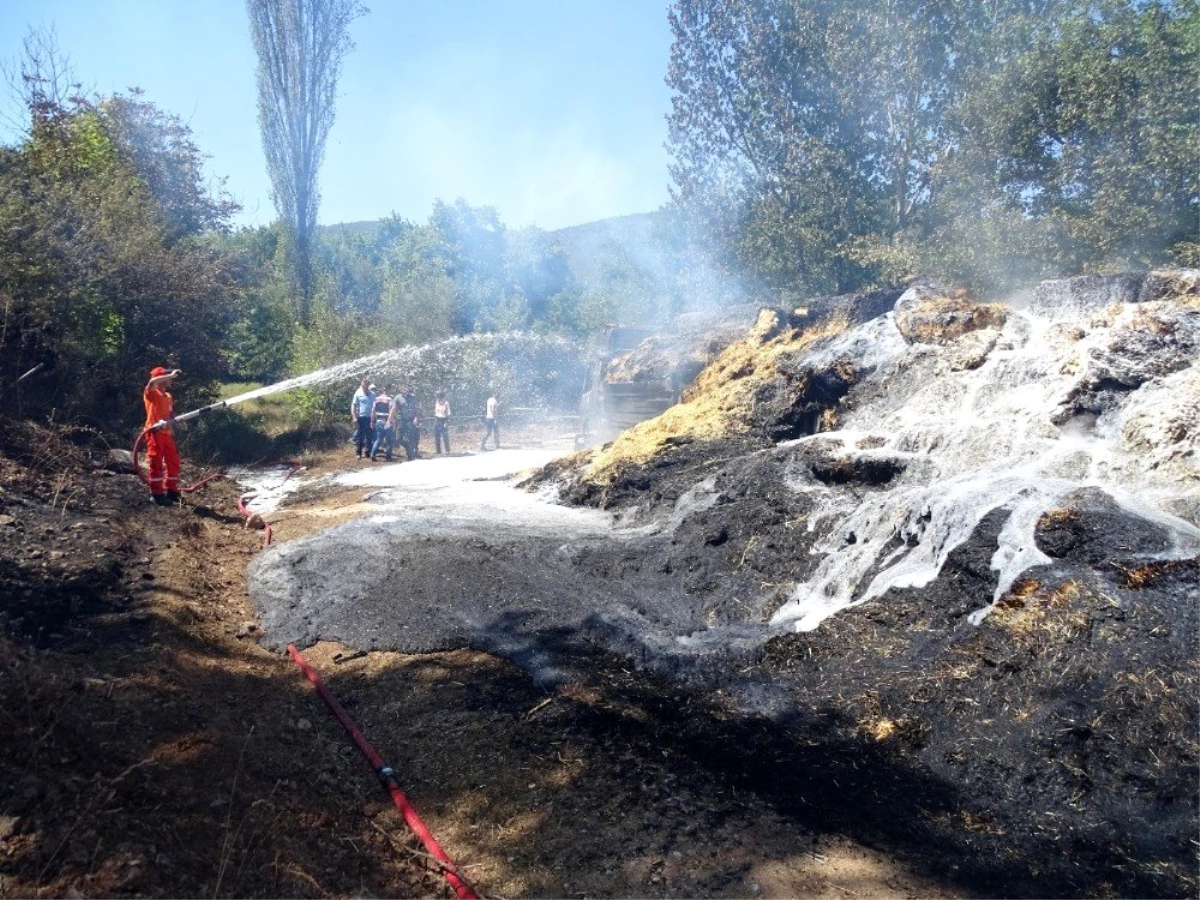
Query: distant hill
x=367, y=228
x=586, y=245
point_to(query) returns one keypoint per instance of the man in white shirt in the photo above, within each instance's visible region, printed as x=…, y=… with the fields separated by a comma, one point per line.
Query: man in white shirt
x=489, y=422
x=441, y=421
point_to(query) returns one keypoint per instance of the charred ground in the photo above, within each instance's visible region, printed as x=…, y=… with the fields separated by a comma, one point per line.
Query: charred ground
x=1056, y=741
x=1051, y=750
x=152, y=748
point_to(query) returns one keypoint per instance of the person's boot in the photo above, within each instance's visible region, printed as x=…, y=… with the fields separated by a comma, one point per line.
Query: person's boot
x=161, y=499
x=173, y=497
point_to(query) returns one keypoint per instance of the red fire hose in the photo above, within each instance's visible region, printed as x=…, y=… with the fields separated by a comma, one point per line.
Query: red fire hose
x=385, y=772
x=293, y=468
x=137, y=468
x=137, y=447
x=388, y=777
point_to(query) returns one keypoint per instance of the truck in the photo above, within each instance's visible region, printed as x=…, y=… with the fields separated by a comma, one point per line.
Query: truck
x=618, y=393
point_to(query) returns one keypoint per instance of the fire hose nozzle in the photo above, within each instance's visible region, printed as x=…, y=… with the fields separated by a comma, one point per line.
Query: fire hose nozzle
x=197, y=412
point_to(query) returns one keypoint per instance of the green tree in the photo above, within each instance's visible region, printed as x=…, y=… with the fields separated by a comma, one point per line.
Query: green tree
x=538, y=271
x=419, y=298
x=300, y=45
x=106, y=267
x=1082, y=149
x=475, y=240
x=259, y=343
x=818, y=144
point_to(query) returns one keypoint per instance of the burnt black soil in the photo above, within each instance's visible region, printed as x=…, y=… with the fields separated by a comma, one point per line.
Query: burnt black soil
x=151, y=748
x=1065, y=730
x=1049, y=751
x=1052, y=750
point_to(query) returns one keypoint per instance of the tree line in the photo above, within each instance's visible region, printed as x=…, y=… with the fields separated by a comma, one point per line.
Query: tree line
x=116, y=254
x=821, y=145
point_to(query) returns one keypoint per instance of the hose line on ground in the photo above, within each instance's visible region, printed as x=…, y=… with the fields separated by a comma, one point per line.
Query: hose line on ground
x=388, y=777
x=385, y=773
x=293, y=468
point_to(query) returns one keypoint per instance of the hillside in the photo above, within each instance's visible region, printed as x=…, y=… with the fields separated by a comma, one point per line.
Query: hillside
x=588, y=245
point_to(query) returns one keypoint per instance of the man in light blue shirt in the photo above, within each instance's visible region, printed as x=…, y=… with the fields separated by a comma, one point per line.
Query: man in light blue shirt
x=360, y=413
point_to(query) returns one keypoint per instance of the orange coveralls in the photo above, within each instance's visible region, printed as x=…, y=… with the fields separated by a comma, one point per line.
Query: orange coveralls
x=160, y=445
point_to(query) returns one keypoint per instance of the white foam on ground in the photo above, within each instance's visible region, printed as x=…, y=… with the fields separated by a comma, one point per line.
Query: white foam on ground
x=266, y=489
x=977, y=440
x=454, y=494
x=461, y=494
x=440, y=471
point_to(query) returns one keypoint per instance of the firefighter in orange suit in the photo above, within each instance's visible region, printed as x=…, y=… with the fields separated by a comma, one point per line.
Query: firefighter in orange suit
x=160, y=443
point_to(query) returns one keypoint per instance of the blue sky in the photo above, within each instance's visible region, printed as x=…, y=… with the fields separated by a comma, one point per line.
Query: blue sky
x=553, y=112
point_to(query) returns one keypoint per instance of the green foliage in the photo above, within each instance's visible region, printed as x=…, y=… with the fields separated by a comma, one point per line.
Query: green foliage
x=225, y=437
x=530, y=370
x=626, y=293
x=259, y=343
x=418, y=294
x=331, y=339
x=394, y=284
x=160, y=149
x=1079, y=152
x=797, y=125
x=822, y=145
x=106, y=267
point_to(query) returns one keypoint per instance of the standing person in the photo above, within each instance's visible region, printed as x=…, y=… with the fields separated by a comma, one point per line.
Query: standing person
x=382, y=419
x=489, y=422
x=360, y=413
x=412, y=418
x=160, y=443
x=396, y=419
x=441, y=421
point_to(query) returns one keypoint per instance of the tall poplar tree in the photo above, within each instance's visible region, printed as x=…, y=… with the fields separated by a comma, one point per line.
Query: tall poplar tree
x=300, y=45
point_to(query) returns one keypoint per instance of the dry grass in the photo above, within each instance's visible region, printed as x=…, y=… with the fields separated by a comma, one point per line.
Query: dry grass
x=942, y=320
x=1053, y=517
x=1145, y=321
x=877, y=725
x=978, y=824
x=1140, y=577
x=879, y=729
x=1029, y=611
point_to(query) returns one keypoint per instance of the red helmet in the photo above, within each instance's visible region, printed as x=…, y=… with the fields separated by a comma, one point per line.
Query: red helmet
x=156, y=371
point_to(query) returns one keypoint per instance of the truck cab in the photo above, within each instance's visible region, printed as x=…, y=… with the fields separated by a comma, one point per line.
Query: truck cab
x=614, y=400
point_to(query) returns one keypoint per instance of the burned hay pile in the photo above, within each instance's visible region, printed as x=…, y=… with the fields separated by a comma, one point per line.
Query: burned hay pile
x=753, y=392
x=695, y=341
x=968, y=535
